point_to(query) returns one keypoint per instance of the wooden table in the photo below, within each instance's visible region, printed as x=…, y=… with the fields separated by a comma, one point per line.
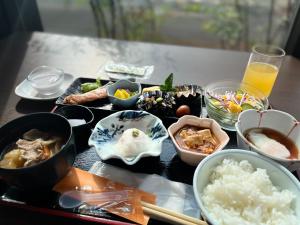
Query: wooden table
x=82, y=57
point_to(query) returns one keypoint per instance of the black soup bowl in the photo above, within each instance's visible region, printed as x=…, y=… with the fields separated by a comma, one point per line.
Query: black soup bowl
x=46, y=174
x=83, y=131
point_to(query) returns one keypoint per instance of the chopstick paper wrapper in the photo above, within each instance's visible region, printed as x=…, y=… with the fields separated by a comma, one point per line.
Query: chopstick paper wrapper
x=78, y=179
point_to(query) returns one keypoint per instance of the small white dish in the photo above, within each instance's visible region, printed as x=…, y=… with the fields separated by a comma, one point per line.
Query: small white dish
x=276, y=120
x=109, y=130
x=191, y=157
x=26, y=91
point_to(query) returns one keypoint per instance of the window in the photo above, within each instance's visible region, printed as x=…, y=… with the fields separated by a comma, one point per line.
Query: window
x=226, y=24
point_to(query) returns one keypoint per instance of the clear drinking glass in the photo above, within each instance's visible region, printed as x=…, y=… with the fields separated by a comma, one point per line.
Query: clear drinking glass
x=263, y=66
x=46, y=80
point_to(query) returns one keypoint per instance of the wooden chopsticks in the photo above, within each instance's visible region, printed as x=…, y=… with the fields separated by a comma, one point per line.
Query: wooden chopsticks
x=168, y=215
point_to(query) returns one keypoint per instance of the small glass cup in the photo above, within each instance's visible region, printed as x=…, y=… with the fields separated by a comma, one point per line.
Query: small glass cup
x=46, y=80
x=263, y=66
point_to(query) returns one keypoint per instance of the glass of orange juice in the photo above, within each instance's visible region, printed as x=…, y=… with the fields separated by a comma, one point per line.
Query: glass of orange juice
x=263, y=66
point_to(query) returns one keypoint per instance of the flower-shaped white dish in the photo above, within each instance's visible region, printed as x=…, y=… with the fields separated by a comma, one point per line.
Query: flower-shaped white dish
x=108, y=131
x=277, y=120
x=192, y=157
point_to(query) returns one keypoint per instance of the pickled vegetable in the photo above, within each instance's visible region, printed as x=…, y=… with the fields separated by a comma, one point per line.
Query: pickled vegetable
x=86, y=87
x=124, y=94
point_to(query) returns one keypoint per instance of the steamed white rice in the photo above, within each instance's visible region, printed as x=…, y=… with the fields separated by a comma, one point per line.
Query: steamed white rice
x=238, y=194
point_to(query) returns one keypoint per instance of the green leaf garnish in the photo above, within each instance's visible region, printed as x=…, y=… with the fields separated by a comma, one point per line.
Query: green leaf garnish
x=168, y=86
x=135, y=133
x=239, y=91
x=98, y=82
x=86, y=87
x=246, y=106
x=215, y=102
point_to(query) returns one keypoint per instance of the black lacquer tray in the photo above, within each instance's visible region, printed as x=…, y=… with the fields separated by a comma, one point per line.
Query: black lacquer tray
x=168, y=165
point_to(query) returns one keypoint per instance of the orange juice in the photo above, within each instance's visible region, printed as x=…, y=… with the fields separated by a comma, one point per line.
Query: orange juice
x=261, y=75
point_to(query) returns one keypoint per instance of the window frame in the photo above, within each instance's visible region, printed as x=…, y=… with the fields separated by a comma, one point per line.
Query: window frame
x=292, y=44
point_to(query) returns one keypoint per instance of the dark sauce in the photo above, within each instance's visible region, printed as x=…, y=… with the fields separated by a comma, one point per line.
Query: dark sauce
x=279, y=137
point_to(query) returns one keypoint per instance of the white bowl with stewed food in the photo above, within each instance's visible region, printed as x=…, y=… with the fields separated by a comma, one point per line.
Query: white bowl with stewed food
x=193, y=157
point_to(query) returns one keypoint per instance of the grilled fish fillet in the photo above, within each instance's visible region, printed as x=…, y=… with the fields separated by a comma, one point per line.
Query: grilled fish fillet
x=90, y=96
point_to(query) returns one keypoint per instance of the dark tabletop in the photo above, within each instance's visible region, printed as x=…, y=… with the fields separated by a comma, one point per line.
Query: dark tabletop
x=82, y=57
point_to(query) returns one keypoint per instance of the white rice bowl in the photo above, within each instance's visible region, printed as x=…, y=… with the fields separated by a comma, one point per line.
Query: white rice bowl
x=230, y=188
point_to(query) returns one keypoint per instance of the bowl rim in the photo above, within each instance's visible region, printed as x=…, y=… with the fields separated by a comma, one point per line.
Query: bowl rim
x=204, y=211
x=139, y=91
x=58, y=110
x=52, y=157
x=229, y=82
x=171, y=134
x=241, y=135
x=140, y=155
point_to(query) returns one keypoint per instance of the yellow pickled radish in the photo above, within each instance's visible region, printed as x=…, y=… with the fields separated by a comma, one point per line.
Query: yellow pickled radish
x=122, y=94
x=125, y=93
x=118, y=94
